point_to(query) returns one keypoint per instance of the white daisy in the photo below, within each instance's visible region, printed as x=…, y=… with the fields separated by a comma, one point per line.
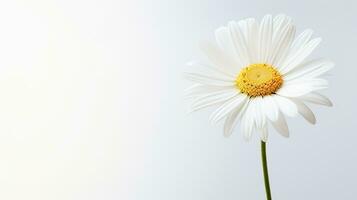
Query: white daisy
x=258, y=75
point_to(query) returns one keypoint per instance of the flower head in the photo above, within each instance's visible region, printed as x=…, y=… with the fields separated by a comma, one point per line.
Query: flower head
x=258, y=75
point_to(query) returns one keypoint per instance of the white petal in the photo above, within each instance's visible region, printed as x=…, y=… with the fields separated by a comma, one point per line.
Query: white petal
x=259, y=116
x=264, y=133
x=310, y=69
x=293, y=90
x=212, y=98
x=300, y=55
x=269, y=108
x=286, y=105
x=243, y=25
x=247, y=124
x=261, y=120
x=265, y=38
x=305, y=111
x=301, y=87
x=194, y=88
x=301, y=41
x=228, y=124
x=279, y=21
x=316, y=98
x=281, y=45
x=233, y=119
x=210, y=69
x=252, y=42
x=225, y=41
x=219, y=58
x=283, y=35
x=208, y=80
x=239, y=42
x=235, y=103
x=281, y=126
x=199, y=89
x=312, y=82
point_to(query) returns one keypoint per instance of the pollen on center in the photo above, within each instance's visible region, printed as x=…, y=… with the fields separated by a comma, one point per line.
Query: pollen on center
x=259, y=80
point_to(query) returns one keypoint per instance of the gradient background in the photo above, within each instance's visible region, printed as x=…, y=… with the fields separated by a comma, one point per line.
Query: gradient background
x=91, y=105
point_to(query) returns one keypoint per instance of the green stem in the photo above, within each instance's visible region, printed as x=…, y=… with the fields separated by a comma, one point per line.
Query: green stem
x=265, y=170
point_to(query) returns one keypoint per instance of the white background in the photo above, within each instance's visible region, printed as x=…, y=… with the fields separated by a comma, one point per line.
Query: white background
x=92, y=106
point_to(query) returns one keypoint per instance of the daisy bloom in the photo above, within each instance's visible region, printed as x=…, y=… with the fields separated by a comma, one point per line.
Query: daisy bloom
x=258, y=74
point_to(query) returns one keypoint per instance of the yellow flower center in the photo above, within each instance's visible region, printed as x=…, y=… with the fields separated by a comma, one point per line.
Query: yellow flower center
x=259, y=80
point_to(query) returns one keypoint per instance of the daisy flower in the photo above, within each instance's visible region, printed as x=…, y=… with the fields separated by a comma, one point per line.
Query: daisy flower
x=258, y=74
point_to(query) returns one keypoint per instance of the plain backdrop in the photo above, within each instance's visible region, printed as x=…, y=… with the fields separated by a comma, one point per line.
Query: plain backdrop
x=92, y=107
